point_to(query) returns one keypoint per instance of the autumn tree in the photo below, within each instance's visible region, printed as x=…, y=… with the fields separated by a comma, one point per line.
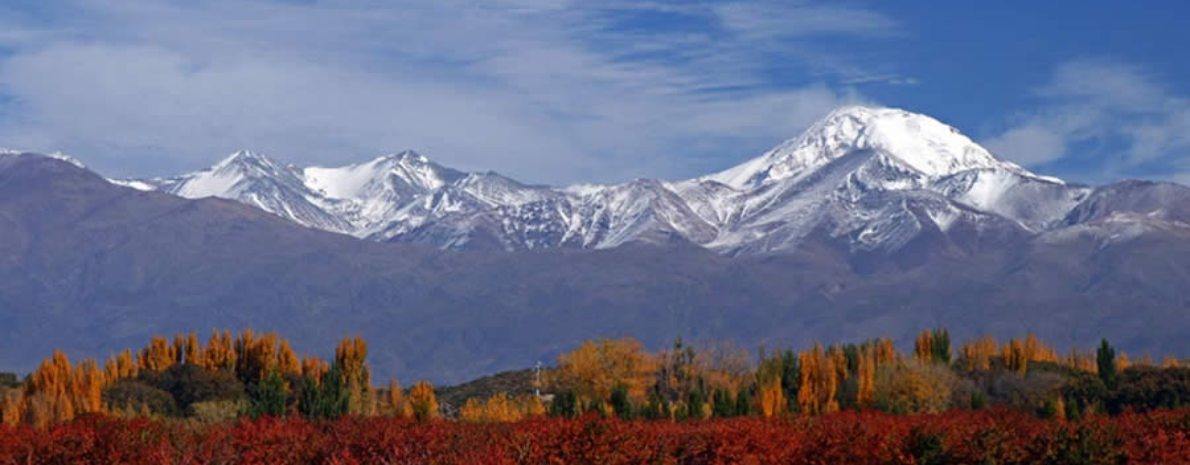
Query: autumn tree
x=1036, y=351
x=314, y=368
x=122, y=366
x=1015, y=358
x=1079, y=360
x=770, y=399
x=178, y=349
x=923, y=348
x=287, y=360
x=157, y=356
x=933, y=346
x=421, y=398
x=784, y=366
x=11, y=406
x=866, y=378
x=1122, y=362
x=886, y=352
x=193, y=352
x=255, y=356
x=51, y=390
x=472, y=411
x=351, y=357
x=977, y=355
x=530, y=405
x=593, y=369
x=839, y=362
x=501, y=408
x=220, y=353
x=818, y=382
x=915, y=387
x=87, y=388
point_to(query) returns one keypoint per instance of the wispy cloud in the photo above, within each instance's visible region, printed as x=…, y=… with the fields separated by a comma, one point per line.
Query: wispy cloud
x=777, y=19
x=552, y=91
x=1118, y=113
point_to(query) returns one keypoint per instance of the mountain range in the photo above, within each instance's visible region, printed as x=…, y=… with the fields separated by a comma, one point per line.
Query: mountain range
x=875, y=221
x=872, y=178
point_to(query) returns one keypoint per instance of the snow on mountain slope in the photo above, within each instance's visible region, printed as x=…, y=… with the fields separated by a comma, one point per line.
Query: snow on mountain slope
x=1037, y=203
x=641, y=210
x=873, y=179
x=920, y=142
x=405, y=173
x=256, y=179
x=371, y=195
x=838, y=176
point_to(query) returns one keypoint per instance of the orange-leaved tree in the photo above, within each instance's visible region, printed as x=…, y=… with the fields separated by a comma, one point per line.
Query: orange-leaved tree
x=595, y=368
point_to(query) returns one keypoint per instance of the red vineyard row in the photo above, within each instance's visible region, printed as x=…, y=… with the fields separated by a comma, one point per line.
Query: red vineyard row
x=996, y=436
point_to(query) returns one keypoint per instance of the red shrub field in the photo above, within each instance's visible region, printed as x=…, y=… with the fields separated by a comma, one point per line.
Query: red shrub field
x=990, y=436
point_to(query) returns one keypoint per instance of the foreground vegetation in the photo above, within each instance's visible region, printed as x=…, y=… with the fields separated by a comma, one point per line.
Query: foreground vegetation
x=988, y=436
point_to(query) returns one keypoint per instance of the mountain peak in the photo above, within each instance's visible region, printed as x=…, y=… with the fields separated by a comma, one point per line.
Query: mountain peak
x=407, y=156
x=918, y=141
x=243, y=157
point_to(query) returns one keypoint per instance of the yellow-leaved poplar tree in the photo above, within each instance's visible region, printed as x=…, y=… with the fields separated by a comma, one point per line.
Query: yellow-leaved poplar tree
x=770, y=399
x=423, y=401
x=818, y=382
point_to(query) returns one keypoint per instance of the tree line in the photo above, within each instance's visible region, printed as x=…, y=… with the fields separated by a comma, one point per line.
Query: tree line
x=618, y=377
x=251, y=374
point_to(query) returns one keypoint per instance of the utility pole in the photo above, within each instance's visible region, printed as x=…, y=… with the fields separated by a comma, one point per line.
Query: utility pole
x=537, y=381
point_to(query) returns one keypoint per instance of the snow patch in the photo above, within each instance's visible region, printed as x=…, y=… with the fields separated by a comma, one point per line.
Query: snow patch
x=138, y=185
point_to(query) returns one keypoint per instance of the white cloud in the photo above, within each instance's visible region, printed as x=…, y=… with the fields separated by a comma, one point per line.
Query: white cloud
x=1028, y=145
x=1104, y=104
x=543, y=90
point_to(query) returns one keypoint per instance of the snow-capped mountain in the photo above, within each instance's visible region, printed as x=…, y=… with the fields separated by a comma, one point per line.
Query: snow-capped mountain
x=871, y=179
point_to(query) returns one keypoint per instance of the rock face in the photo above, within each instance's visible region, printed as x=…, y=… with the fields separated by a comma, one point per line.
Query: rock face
x=875, y=222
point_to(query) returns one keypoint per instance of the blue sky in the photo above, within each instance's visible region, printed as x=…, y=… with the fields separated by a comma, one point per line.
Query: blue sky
x=557, y=91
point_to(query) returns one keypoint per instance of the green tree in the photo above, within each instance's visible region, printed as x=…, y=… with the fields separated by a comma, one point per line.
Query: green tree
x=940, y=346
x=1106, y=357
x=656, y=408
x=694, y=401
x=620, y=402
x=189, y=383
x=743, y=403
x=791, y=377
x=326, y=400
x=270, y=396
x=722, y=405
x=564, y=404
